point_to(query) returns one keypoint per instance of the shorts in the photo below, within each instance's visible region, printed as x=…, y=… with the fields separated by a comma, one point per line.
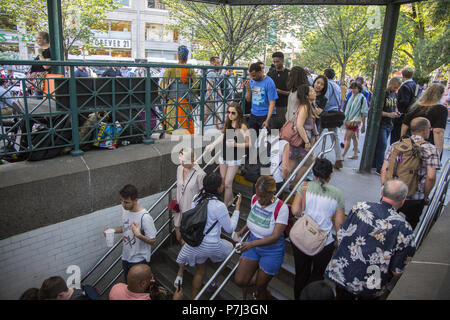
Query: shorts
x=229, y=162
x=270, y=257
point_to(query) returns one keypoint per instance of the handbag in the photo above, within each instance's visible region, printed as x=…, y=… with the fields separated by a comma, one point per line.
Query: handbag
x=306, y=234
x=290, y=134
x=173, y=206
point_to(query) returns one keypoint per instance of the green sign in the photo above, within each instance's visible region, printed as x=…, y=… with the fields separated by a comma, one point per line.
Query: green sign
x=15, y=37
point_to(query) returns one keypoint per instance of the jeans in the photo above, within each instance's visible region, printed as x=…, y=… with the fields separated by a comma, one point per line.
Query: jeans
x=380, y=149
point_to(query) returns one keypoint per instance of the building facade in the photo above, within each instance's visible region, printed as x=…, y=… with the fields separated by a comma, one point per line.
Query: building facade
x=137, y=30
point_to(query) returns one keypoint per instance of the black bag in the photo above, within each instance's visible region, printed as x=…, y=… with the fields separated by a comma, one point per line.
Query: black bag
x=331, y=119
x=91, y=292
x=193, y=224
x=44, y=139
x=252, y=171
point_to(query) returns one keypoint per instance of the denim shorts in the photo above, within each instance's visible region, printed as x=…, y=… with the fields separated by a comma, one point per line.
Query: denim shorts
x=270, y=257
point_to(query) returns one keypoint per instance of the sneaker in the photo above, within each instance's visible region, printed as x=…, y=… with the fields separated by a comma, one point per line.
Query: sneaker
x=378, y=173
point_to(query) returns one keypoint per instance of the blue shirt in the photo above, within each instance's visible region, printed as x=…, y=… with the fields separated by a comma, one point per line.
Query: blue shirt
x=374, y=241
x=262, y=93
x=333, y=95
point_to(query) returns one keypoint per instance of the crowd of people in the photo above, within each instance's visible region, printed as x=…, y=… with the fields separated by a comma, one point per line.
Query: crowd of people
x=370, y=244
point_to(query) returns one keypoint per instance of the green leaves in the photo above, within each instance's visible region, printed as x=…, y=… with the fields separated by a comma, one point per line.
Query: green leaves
x=80, y=17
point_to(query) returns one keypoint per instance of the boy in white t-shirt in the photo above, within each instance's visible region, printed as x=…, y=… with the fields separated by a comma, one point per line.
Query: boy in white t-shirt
x=139, y=232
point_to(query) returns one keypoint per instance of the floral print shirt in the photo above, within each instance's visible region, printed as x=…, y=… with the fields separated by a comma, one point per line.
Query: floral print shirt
x=374, y=241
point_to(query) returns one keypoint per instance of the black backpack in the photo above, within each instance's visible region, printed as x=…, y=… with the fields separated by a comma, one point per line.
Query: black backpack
x=193, y=223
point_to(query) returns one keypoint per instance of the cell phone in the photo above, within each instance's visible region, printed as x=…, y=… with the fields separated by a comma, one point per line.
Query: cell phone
x=235, y=200
x=179, y=284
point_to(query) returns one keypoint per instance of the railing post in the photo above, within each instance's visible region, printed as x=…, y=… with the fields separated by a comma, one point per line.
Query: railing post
x=74, y=113
x=202, y=101
x=243, y=103
x=148, y=109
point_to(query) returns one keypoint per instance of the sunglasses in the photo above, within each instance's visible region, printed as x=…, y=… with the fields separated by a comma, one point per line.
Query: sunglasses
x=232, y=112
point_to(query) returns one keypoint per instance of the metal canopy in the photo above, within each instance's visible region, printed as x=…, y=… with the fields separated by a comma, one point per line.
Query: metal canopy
x=305, y=2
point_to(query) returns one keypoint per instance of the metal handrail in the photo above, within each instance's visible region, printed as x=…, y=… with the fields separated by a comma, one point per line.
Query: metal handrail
x=432, y=210
x=156, y=219
x=322, y=139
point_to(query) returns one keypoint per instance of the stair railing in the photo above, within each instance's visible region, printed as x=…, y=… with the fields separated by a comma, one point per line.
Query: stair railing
x=435, y=208
x=322, y=139
x=158, y=201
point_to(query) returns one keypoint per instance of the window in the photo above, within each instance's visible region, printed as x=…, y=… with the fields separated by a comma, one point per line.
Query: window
x=124, y=26
x=122, y=53
x=124, y=3
x=159, y=32
x=155, y=4
x=154, y=32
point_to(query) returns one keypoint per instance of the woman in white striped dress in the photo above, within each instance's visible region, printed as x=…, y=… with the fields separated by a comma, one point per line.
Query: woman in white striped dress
x=212, y=247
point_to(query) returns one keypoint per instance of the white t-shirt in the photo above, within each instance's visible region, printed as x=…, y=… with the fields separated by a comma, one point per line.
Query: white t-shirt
x=261, y=222
x=133, y=249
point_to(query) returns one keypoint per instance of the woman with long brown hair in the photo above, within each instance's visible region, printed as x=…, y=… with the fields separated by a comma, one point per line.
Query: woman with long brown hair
x=297, y=77
x=429, y=106
x=234, y=136
x=306, y=127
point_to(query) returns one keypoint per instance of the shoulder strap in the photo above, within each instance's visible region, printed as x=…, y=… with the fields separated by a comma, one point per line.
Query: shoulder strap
x=255, y=198
x=277, y=209
x=214, y=224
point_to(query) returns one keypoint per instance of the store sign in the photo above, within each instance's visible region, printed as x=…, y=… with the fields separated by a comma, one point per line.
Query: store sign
x=11, y=37
x=112, y=43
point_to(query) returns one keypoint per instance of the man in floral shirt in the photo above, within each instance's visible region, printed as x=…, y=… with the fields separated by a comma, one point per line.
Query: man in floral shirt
x=374, y=244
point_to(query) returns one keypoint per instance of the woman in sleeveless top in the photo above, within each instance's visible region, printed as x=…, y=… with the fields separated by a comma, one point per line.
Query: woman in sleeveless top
x=307, y=130
x=429, y=106
x=234, y=138
x=297, y=77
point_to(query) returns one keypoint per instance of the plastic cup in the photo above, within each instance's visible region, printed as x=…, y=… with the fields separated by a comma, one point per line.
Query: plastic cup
x=109, y=237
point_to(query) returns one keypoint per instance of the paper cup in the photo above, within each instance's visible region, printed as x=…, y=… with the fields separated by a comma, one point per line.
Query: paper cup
x=109, y=237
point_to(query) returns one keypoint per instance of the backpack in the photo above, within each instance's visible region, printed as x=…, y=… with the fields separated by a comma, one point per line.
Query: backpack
x=417, y=93
x=90, y=292
x=404, y=163
x=193, y=224
x=291, y=218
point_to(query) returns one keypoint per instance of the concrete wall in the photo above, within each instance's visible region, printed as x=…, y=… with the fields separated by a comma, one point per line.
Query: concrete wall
x=38, y=194
x=31, y=257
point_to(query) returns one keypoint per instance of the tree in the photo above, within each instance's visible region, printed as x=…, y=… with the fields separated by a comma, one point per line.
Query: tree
x=80, y=18
x=423, y=35
x=336, y=36
x=230, y=32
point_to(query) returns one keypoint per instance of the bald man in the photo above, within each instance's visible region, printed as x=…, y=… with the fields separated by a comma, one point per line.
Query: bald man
x=426, y=176
x=375, y=243
x=139, y=279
